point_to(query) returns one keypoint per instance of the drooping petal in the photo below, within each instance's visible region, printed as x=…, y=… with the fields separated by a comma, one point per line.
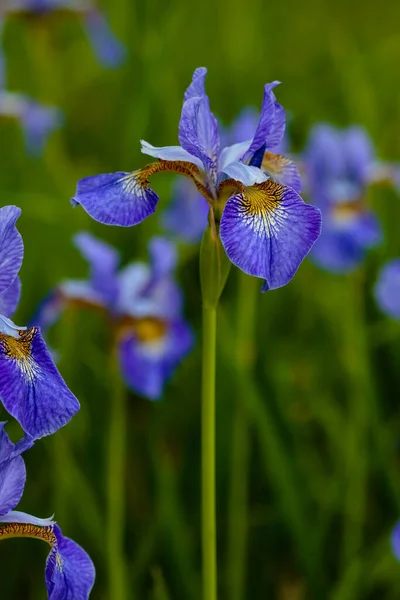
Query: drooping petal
x=11, y=246
x=387, y=289
x=246, y=174
x=31, y=388
x=198, y=133
x=281, y=170
x=70, y=572
x=147, y=365
x=266, y=121
x=267, y=230
x=170, y=153
x=123, y=199
x=9, y=298
x=110, y=51
x=186, y=215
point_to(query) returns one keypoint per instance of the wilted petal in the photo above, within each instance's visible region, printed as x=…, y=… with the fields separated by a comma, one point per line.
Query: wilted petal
x=11, y=246
x=147, y=365
x=120, y=198
x=31, y=388
x=70, y=572
x=266, y=121
x=267, y=230
x=198, y=132
x=281, y=170
x=10, y=297
x=387, y=289
x=108, y=48
x=246, y=174
x=170, y=153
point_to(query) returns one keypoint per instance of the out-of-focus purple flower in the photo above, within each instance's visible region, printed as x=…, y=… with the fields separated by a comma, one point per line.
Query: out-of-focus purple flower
x=395, y=541
x=108, y=49
x=31, y=388
x=144, y=303
x=186, y=216
x=265, y=226
x=340, y=165
x=69, y=571
x=387, y=289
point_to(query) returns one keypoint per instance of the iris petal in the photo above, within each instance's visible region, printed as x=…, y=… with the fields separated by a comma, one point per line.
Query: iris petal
x=108, y=48
x=31, y=388
x=103, y=261
x=387, y=291
x=266, y=121
x=282, y=170
x=11, y=246
x=120, y=198
x=246, y=174
x=170, y=153
x=267, y=230
x=9, y=298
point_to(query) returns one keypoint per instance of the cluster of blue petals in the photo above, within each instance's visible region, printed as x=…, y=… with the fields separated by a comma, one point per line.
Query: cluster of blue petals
x=143, y=302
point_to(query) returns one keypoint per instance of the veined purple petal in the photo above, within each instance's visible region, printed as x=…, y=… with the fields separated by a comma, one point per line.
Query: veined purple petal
x=276, y=135
x=281, y=170
x=170, y=153
x=31, y=388
x=9, y=298
x=266, y=121
x=387, y=289
x=110, y=51
x=70, y=572
x=198, y=132
x=246, y=174
x=116, y=198
x=268, y=230
x=147, y=366
x=12, y=471
x=11, y=246
x=197, y=87
x=186, y=215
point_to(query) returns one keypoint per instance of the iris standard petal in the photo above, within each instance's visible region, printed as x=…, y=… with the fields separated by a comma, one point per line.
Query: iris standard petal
x=231, y=154
x=38, y=122
x=110, y=51
x=70, y=572
x=267, y=230
x=387, y=289
x=359, y=154
x=170, y=153
x=9, y=298
x=197, y=86
x=31, y=388
x=281, y=170
x=323, y=155
x=11, y=246
x=163, y=257
x=123, y=199
x=198, y=132
x=275, y=137
x=266, y=121
x=246, y=174
x=186, y=215
x=147, y=365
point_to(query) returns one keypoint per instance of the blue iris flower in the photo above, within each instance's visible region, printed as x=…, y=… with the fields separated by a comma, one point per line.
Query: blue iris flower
x=31, y=388
x=145, y=306
x=69, y=572
x=253, y=194
x=387, y=289
x=340, y=165
x=109, y=50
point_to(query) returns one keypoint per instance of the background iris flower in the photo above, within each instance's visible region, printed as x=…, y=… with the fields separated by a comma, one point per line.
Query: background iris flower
x=340, y=165
x=31, y=388
x=144, y=304
x=109, y=50
x=265, y=227
x=69, y=570
x=387, y=289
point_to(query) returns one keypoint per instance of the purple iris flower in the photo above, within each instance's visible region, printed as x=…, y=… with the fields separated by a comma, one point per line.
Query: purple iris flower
x=109, y=50
x=265, y=226
x=145, y=306
x=31, y=388
x=69, y=572
x=387, y=289
x=340, y=165
x=395, y=541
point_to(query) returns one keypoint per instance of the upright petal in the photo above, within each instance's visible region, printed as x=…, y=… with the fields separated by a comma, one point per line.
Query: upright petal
x=359, y=154
x=123, y=199
x=9, y=298
x=197, y=87
x=11, y=246
x=275, y=136
x=108, y=48
x=163, y=257
x=266, y=121
x=38, y=122
x=267, y=230
x=31, y=388
x=281, y=170
x=387, y=289
x=70, y=572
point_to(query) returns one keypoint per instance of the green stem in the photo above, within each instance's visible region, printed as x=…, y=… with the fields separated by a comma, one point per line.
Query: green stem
x=209, y=541
x=237, y=509
x=116, y=487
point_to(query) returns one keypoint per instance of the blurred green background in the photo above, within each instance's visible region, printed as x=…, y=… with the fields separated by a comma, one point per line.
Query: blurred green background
x=316, y=391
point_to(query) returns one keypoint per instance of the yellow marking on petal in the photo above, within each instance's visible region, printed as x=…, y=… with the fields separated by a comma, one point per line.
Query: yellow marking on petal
x=180, y=167
x=28, y=530
x=274, y=164
x=146, y=329
x=262, y=198
x=19, y=349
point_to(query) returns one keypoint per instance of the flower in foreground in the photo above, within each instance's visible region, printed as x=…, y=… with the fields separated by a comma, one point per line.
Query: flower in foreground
x=265, y=226
x=109, y=50
x=387, y=289
x=31, y=388
x=340, y=166
x=144, y=304
x=69, y=572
